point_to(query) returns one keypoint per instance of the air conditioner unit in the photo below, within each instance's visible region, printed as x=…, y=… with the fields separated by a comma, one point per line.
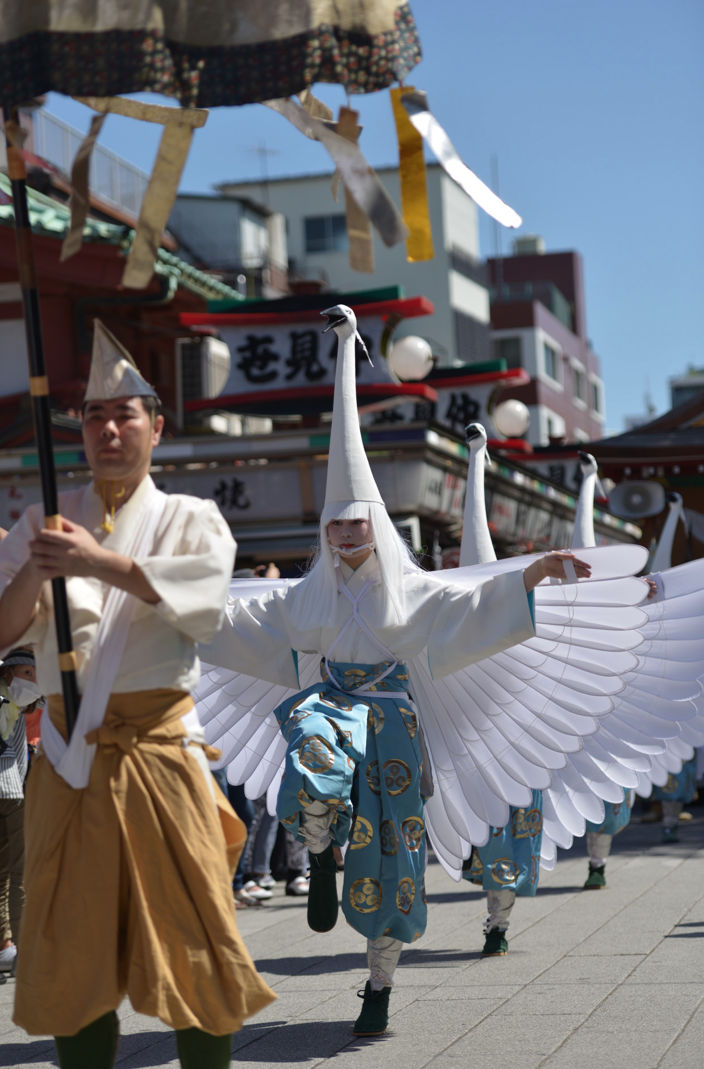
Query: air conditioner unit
x=637, y=499
x=202, y=370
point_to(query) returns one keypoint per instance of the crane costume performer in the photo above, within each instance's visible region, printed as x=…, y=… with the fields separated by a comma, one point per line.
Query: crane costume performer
x=642, y=686
x=130, y=844
x=349, y=758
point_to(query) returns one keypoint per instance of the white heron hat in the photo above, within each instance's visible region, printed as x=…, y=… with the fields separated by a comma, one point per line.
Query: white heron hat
x=350, y=480
x=113, y=372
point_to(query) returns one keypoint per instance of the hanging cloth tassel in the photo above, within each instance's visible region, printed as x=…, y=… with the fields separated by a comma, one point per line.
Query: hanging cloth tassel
x=414, y=189
x=359, y=230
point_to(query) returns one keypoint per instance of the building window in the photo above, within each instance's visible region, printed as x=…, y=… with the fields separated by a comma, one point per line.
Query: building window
x=326, y=233
x=596, y=397
x=508, y=349
x=579, y=385
x=550, y=361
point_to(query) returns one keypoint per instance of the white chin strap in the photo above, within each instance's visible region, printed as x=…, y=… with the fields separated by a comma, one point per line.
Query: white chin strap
x=353, y=551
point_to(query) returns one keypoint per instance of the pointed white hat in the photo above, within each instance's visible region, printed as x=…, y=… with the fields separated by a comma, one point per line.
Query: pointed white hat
x=350, y=477
x=113, y=372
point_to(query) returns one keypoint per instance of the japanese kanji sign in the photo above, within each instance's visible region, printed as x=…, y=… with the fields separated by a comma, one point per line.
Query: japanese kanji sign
x=284, y=355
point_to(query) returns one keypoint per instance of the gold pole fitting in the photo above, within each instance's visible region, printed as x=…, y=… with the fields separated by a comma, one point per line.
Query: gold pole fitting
x=39, y=385
x=53, y=523
x=68, y=662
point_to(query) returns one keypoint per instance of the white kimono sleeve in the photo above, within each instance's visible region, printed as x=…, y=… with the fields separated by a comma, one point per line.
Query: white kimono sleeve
x=14, y=552
x=472, y=625
x=192, y=580
x=256, y=640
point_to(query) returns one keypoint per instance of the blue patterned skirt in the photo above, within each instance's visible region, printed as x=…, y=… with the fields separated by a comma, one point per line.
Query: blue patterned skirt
x=680, y=788
x=362, y=755
x=510, y=861
x=616, y=817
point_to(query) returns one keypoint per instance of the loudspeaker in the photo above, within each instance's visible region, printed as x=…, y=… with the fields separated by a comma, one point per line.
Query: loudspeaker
x=636, y=499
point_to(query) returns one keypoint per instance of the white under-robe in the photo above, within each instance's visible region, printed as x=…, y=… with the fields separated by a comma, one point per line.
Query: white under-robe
x=457, y=626
x=190, y=569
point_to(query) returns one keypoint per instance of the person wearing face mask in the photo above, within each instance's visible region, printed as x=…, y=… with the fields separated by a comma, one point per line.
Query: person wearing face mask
x=18, y=691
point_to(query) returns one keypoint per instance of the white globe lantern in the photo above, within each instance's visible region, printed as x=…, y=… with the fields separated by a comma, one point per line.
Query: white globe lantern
x=511, y=419
x=411, y=358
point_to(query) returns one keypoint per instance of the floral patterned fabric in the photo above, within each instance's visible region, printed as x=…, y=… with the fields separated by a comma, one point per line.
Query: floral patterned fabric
x=112, y=62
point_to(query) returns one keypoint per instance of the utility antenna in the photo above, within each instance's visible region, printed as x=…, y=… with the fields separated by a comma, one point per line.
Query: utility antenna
x=263, y=152
x=498, y=252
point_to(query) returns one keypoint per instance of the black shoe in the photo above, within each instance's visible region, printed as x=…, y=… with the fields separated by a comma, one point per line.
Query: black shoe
x=596, y=879
x=374, y=1018
x=495, y=944
x=322, y=891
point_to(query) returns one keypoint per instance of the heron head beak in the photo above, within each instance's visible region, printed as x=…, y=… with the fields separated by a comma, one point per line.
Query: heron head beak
x=473, y=431
x=336, y=316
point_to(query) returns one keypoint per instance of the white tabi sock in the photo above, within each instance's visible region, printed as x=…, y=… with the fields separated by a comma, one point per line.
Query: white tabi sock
x=315, y=826
x=598, y=847
x=671, y=813
x=382, y=958
x=500, y=904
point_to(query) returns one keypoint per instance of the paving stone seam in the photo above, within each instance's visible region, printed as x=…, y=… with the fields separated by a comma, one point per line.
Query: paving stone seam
x=533, y=979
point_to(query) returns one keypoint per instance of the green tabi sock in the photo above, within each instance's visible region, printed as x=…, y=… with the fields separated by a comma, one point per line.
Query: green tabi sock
x=201, y=1050
x=94, y=1047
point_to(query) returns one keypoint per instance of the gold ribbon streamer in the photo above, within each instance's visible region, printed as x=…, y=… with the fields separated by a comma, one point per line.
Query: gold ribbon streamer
x=359, y=229
x=79, y=189
x=414, y=189
x=157, y=204
x=179, y=124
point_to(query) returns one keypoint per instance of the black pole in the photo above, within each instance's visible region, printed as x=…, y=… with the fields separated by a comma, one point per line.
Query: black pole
x=41, y=411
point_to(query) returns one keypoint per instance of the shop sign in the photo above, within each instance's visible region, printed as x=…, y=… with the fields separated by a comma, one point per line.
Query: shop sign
x=289, y=355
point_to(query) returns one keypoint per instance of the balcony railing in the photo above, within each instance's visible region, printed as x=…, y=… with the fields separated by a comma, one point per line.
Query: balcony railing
x=111, y=177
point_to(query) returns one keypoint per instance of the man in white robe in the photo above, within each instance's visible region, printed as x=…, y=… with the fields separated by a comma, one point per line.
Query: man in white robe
x=130, y=846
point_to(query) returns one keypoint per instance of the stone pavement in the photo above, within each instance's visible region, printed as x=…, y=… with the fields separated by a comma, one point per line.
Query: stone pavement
x=605, y=978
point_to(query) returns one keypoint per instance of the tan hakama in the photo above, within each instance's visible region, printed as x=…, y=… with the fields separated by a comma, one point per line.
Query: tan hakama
x=128, y=883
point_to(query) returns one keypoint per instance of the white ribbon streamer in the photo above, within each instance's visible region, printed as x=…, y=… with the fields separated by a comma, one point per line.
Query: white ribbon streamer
x=416, y=104
x=358, y=176
x=73, y=761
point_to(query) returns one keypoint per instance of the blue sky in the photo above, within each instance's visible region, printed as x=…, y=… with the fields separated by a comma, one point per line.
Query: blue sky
x=595, y=114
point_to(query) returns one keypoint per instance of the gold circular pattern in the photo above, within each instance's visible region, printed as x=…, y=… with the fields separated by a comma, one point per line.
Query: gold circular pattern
x=350, y=763
x=410, y=720
x=388, y=838
x=296, y=718
x=304, y=798
x=416, y=936
x=375, y=718
x=372, y=775
x=316, y=754
x=365, y=895
x=412, y=829
x=405, y=895
x=525, y=823
x=397, y=776
x=289, y=820
x=504, y=870
x=361, y=834
x=336, y=701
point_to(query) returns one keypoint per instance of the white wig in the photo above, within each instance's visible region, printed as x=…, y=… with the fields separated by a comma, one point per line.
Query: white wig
x=318, y=591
